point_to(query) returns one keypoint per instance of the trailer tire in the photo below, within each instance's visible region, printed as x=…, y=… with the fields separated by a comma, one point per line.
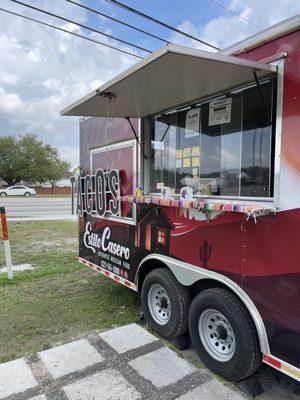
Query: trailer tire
x=165, y=303
x=223, y=334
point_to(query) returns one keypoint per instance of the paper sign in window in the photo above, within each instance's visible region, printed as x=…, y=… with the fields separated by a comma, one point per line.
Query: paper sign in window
x=192, y=123
x=178, y=162
x=195, y=151
x=157, y=145
x=179, y=153
x=220, y=111
x=187, y=152
x=186, y=162
x=195, y=161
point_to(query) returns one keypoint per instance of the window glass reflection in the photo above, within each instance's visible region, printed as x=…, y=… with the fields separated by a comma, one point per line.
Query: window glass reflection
x=231, y=150
x=256, y=145
x=188, y=149
x=221, y=147
x=210, y=169
x=163, y=145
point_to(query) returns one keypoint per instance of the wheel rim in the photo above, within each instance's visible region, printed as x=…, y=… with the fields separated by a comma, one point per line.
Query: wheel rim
x=159, y=304
x=216, y=335
x=3, y=194
x=27, y=194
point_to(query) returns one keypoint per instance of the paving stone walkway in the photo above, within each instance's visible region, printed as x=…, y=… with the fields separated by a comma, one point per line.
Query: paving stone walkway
x=126, y=363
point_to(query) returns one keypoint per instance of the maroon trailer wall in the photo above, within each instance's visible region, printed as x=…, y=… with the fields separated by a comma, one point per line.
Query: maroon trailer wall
x=98, y=132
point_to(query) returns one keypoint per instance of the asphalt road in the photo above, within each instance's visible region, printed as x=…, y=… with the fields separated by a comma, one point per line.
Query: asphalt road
x=37, y=207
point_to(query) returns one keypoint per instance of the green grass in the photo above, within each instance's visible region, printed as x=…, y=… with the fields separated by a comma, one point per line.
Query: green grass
x=58, y=301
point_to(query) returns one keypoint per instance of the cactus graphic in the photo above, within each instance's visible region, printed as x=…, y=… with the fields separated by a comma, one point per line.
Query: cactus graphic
x=205, y=253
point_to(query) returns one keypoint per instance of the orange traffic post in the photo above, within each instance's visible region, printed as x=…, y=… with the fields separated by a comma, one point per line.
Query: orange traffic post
x=6, y=243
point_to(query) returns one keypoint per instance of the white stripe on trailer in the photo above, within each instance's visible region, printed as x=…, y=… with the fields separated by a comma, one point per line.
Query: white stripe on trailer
x=111, y=275
x=282, y=366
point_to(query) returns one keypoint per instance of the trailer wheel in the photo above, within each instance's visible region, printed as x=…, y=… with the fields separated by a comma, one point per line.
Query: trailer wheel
x=223, y=334
x=165, y=303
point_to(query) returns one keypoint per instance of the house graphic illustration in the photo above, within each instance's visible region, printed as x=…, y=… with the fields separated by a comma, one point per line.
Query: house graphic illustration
x=153, y=230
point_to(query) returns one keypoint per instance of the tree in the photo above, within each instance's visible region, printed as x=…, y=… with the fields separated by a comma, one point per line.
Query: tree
x=11, y=160
x=29, y=159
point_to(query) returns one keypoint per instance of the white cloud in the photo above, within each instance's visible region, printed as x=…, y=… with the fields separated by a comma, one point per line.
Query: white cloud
x=43, y=70
x=10, y=102
x=71, y=154
x=228, y=28
x=7, y=78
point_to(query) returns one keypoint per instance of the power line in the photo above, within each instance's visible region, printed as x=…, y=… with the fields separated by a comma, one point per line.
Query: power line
x=157, y=21
x=119, y=21
x=236, y=14
x=81, y=25
x=71, y=33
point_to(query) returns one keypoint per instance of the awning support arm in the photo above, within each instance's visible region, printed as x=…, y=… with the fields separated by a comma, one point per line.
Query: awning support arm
x=136, y=137
x=262, y=96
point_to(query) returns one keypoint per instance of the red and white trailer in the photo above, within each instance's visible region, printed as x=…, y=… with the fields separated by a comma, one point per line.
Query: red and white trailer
x=189, y=194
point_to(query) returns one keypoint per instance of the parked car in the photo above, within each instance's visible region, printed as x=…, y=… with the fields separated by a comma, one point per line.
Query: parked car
x=17, y=191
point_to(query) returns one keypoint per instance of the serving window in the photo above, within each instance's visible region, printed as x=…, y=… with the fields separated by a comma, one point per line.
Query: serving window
x=221, y=147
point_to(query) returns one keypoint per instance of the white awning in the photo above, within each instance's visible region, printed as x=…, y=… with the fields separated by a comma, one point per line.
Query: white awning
x=170, y=77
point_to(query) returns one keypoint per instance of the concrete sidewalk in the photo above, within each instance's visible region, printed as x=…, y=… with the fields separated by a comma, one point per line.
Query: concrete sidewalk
x=125, y=363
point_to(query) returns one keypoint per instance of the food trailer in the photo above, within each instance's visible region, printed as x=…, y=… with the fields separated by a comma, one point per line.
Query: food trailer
x=189, y=194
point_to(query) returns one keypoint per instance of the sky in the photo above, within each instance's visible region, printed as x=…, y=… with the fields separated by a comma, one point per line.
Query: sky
x=42, y=70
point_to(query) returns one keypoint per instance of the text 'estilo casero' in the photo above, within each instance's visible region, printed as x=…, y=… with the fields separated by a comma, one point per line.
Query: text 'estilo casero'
x=98, y=193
